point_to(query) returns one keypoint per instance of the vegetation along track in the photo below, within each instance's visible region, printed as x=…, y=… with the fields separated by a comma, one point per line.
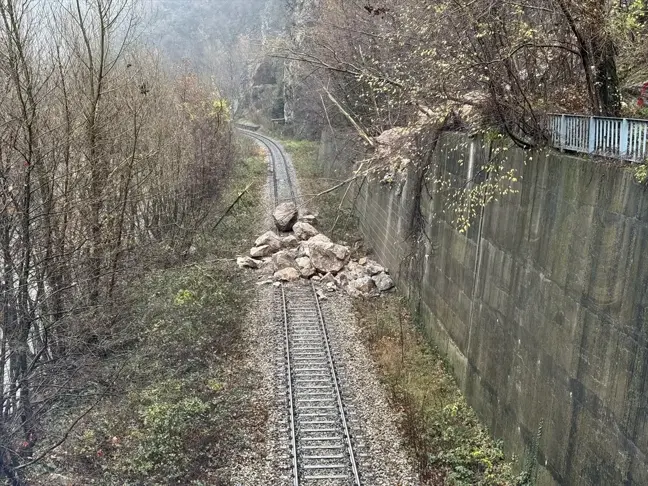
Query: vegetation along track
x=321, y=445
x=283, y=187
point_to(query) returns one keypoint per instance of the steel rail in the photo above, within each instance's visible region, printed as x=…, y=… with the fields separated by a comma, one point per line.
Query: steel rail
x=270, y=144
x=285, y=165
x=347, y=434
x=291, y=406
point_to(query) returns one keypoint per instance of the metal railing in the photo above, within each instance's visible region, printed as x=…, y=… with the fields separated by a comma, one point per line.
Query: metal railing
x=618, y=138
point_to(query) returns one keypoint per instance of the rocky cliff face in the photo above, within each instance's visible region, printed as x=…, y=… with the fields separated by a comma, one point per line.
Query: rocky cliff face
x=274, y=82
x=304, y=13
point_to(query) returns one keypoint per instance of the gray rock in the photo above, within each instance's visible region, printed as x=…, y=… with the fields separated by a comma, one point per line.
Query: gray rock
x=383, y=281
x=261, y=251
x=287, y=275
x=365, y=285
x=283, y=259
x=320, y=238
x=285, y=216
x=325, y=255
x=363, y=261
x=304, y=231
x=247, y=262
x=374, y=268
x=269, y=238
x=305, y=267
x=289, y=242
x=355, y=271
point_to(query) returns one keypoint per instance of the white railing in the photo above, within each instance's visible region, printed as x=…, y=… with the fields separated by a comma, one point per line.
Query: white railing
x=619, y=138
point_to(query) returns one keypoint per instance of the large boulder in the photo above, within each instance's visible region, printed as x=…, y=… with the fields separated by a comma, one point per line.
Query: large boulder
x=306, y=268
x=325, y=255
x=383, y=281
x=285, y=216
x=261, y=251
x=304, y=231
x=270, y=239
x=287, y=275
x=284, y=259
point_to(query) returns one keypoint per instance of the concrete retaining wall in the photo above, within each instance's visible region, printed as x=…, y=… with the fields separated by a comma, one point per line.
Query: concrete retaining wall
x=542, y=308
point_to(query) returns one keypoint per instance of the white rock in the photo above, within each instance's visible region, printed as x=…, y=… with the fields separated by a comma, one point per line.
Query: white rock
x=287, y=275
x=383, y=281
x=304, y=231
x=363, y=261
x=247, y=262
x=364, y=285
x=374, y=268
x=355, y=271
x=320, y=238
x=261, y=251
x=269, y=238
x=321, y=295
x=284, y=259
x=325, y=255
x=305, y=267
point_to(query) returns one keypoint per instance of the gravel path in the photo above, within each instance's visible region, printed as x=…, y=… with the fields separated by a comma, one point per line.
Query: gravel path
x=382, y=459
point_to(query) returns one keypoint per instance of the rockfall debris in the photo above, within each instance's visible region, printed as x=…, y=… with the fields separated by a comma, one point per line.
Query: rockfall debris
x=306, y=253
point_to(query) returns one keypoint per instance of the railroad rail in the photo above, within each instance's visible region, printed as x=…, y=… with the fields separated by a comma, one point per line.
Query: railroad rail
x=322, y=448
x=283, y=187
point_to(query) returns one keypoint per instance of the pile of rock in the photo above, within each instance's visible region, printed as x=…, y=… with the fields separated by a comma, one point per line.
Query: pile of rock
x=306, y=253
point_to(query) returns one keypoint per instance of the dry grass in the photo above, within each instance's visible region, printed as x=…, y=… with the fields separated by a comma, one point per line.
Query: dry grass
x=442, y=432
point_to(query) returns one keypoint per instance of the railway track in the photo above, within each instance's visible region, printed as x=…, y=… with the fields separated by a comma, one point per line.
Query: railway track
x=321, y=445
x=322, y=448
x=283, y=187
